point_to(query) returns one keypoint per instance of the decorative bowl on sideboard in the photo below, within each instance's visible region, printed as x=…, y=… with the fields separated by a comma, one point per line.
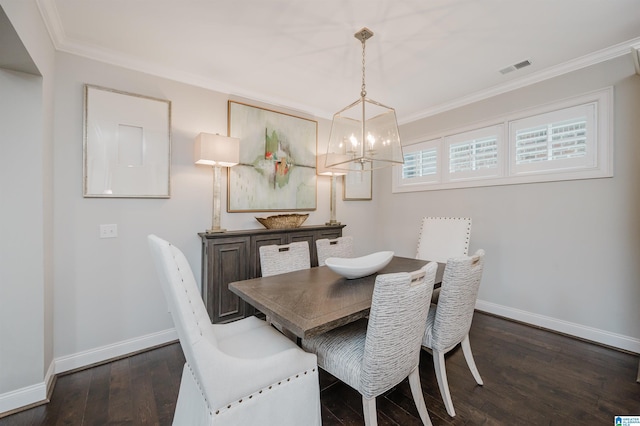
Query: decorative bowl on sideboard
x=283, y=221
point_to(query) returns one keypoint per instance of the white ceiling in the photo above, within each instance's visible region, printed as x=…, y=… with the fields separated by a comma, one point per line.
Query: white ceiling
x=426, y=55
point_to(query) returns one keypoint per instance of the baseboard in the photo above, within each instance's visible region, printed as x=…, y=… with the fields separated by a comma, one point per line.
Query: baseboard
x=31, y=396
x=116, y=350
x=607, y=338
x=27, y=396
x=50, y=380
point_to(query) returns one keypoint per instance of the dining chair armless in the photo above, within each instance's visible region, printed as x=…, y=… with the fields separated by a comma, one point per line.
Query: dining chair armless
x=241, y=373
x=375, y=355
x=442, y=238
x=279, y=259
x=449, y=321
x=338, y=247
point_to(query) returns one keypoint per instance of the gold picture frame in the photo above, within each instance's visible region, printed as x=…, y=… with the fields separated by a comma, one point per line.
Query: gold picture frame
x=277, y=168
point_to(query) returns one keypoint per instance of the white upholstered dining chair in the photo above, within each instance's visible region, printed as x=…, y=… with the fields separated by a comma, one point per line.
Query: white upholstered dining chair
x=442, y=238
x=338, y=247
x=449, y=321
x=375, y=355
x=241, y=373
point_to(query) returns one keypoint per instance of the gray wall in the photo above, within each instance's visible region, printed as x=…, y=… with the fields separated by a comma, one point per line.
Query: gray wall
x=562, y=255
x=21, y=230
x=107, y=299
x=26, y=284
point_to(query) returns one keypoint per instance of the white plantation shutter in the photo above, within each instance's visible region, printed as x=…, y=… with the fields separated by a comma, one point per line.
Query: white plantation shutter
x=420, y=163
x=560, y=140
x=553, y=141
x=475, y=153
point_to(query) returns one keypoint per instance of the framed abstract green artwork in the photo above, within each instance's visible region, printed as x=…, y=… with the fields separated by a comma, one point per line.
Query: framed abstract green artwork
x=277, y=169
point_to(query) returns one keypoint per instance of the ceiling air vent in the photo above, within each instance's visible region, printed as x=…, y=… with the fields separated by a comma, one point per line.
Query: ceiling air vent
x=515, y=67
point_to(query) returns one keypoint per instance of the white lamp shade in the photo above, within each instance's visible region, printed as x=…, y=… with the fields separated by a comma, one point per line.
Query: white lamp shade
x=323, y=170
x=217, y=150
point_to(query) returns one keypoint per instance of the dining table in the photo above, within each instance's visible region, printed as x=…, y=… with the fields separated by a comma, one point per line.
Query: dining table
x=315, y=300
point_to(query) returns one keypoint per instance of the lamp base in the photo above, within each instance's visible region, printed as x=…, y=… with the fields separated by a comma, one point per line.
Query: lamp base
x=332, y=222
x=215, y=230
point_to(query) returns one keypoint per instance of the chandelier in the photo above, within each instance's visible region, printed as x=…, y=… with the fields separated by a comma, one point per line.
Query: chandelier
x=364, y=135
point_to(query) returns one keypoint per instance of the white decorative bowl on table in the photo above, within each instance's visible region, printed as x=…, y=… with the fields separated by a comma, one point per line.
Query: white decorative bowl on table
x=356, y=267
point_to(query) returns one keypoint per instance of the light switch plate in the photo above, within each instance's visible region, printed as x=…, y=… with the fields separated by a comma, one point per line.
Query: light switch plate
x=109, y=231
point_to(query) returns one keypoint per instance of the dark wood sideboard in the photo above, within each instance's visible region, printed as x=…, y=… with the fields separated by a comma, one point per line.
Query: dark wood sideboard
x=234, y=255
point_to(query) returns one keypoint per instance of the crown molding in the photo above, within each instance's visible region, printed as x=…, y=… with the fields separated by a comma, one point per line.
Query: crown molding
x=52, y=22
x=62, y=43
x=594, y=58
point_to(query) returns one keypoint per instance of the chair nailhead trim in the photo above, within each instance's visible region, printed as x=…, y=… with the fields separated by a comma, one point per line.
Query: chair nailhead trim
x=224, y=409
x=202, y=391
x=193, y=311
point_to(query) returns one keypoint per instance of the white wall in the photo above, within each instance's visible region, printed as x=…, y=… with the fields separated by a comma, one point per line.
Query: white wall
x=563, y=255
x=107, y=299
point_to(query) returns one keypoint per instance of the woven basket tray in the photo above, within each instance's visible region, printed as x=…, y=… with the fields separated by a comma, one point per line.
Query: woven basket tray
x=283, y=221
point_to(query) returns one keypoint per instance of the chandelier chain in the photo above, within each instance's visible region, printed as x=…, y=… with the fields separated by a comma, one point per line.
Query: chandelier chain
x=363, y=92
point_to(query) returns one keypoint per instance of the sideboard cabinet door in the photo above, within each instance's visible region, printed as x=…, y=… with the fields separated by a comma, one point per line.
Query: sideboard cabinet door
x=235, y=255
x=225, y=260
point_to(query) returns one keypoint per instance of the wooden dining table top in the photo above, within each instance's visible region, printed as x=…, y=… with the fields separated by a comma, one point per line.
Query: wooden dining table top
x=315, y=300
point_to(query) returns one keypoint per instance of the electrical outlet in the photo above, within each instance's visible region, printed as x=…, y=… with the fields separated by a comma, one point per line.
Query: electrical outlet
x=109, y=231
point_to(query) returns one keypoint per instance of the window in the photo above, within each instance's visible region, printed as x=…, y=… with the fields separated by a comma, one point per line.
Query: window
x=555, y=141
x=567, y=140
x=421, y=163
x=474, y=154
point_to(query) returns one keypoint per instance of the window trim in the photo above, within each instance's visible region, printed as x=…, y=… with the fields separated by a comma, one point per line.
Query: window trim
x=601, y=167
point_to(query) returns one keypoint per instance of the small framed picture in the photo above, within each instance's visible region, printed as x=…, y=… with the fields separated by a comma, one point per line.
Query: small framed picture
x=357, y=185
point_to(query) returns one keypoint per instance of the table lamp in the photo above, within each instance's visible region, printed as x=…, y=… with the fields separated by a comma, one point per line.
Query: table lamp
x=217, y=151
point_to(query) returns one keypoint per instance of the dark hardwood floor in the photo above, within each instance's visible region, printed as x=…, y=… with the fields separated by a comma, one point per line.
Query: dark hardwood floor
x=531, y=376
